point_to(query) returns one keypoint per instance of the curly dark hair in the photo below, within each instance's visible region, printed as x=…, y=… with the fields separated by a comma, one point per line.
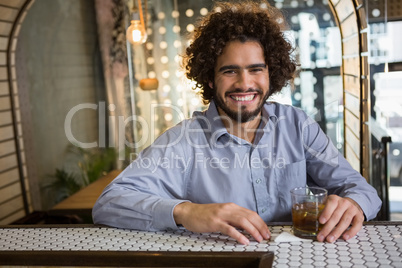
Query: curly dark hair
x=243, y=21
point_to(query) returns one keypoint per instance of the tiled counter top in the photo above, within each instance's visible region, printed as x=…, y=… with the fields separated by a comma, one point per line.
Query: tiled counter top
x=376, y=245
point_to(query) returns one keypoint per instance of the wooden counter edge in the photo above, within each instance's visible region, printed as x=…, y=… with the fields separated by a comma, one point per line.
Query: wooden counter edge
x=137, y=258
x=85, y=198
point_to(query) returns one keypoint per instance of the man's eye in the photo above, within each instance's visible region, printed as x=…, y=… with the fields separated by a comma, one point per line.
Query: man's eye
x=229, y=72
x=255, y=70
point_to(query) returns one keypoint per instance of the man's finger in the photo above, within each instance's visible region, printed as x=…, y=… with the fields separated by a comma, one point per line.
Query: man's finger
x=330, y=207
x=252, y=223
x=342, y=225
x=261, y=226
x=232, y=232
x=250, y=228
x=345, y=213
x=330, y=217
x=357, y=224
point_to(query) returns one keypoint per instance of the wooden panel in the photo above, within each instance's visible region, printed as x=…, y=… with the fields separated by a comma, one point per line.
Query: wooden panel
x=86, y=198
x=9, y=177
x=351, y=66
x=366, y=151
x=23, y=15
x=358, y=2
x=365, y=89
x=361, y=14
x=351, y=46
x=17, y=116
x=19, y=129
x=366, y=110
x=352, y=158
x=16, y=32
x=7, y=147
x=3, y=58
x=6, y=133
x=5, y=118
x=12, y=63
x=365, y=67
x=3, y=43
x=352, y=103
x=9, y=192
x=26, y=183
x=353, y=141
x=8, y=162
x=5, y=103
x=5, y=28
x=344, y=9
x=14, y=87
x=12, y=3
x=4, y=88
x=12, y=218
x=349, y=27
x=352, y=85
x=16, y=103
x=8, y=14
x=352, y=122
x=21, y=142
x=366, y=173
x=61, y=257
x=3, y=73
x=10, y=206
x=363, y=42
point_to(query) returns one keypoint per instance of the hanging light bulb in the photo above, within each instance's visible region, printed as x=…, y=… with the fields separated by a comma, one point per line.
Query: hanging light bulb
x=136, y=33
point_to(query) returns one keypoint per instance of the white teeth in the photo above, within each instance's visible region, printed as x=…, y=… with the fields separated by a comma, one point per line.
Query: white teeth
x=243, y=98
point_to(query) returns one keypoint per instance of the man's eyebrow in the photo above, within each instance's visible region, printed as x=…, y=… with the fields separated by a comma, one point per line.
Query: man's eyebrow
x=228, y=67
x=258, y=65
x=237, y=67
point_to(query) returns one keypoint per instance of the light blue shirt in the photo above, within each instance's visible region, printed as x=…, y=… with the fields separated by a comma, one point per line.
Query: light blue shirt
x=199, y=161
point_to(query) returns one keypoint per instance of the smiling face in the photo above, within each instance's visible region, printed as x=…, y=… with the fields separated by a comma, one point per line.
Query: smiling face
x=241, y=81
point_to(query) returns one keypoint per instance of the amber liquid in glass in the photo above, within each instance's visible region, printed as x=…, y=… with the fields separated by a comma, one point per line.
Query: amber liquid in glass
x=305, y=219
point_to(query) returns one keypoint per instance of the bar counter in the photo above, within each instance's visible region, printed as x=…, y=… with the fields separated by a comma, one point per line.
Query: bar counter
x=378, y=244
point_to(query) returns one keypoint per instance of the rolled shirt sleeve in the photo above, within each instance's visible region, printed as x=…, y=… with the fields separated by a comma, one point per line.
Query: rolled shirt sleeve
x=144, y=195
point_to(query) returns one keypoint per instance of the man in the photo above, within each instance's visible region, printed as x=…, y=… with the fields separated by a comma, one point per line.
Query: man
x=232, y=166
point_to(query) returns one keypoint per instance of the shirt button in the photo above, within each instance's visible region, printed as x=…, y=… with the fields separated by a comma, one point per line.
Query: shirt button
x=258, y=181
x=263, y=210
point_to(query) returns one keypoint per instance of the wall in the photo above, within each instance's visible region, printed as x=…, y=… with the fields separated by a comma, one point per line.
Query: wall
x=56, y=63
x=49, y=62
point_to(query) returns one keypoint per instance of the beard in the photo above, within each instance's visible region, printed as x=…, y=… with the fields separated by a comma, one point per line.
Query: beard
x=241, y=114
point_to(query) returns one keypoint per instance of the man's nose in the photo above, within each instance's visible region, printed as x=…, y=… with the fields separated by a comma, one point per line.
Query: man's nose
x=244, y=81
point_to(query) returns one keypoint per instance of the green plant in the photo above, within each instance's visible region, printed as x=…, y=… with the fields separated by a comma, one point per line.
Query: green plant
x=92, y=164
x=62, y=185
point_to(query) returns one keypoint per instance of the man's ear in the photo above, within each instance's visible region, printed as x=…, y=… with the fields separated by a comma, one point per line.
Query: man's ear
x=211, y=84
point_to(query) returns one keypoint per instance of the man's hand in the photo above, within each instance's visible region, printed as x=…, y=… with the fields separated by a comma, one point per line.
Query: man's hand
x=224, y=218
x=338, y=215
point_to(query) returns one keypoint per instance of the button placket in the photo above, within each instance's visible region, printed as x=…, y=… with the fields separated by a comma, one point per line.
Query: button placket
x=257, y=176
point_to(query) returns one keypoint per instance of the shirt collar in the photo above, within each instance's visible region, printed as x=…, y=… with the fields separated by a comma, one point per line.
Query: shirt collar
x=213, y=126
x=215, y=120
x=269, y=111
